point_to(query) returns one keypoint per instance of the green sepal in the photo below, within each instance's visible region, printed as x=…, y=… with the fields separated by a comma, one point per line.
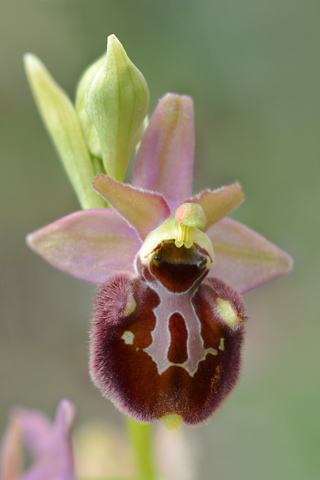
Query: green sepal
x=61, y=121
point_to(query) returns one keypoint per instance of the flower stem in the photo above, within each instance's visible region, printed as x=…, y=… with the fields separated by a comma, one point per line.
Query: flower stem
x=141, y=439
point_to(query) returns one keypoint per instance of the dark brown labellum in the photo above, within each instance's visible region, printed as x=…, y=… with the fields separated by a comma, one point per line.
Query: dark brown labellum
x=163, y=343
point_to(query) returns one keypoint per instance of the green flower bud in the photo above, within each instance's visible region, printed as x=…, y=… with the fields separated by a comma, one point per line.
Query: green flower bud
x=89, y=130
x=117, y=102
x=61, y=121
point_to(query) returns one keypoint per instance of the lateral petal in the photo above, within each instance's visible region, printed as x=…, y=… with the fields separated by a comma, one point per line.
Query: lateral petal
x=142, y=209
x=88, y=245
x=243, y=258
x=218, y=203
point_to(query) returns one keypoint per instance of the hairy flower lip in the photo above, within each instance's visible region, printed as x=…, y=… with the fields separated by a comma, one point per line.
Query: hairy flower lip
x=147, y=400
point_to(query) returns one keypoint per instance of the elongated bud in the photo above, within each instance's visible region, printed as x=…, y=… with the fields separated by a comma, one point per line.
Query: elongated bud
x=88, y=128
x=61, y=121
x=117, y=101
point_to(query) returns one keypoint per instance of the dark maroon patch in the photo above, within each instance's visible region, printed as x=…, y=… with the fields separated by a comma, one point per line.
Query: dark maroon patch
x=177, y=268
x=178, y=349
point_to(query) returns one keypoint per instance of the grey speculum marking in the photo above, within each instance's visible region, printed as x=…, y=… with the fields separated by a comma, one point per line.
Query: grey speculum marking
x=171, y=303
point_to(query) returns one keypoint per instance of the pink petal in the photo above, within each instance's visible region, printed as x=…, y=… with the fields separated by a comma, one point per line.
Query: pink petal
x=164, y=161
x=88, y=245
x=143, y=210
x=243, y=258
x=217, y=204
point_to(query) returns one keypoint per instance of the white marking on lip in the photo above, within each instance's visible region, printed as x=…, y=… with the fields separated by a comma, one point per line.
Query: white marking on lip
x=128, y=337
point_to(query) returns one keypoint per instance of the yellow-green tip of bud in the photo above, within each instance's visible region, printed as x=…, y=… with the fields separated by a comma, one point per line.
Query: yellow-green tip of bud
x=172, y=422
x=117, y=101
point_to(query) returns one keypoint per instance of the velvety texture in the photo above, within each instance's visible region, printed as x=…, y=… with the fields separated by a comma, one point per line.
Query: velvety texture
x=125, y=368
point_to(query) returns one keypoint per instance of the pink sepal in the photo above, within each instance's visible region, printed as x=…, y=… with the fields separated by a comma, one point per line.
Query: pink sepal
x=243, y=258
x=164, y=162
x=88, y=245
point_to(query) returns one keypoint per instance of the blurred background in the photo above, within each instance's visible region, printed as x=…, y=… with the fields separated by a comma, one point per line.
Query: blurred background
x=252, y=68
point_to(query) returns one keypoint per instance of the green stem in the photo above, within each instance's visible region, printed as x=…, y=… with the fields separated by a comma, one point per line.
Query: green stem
x=141, y=439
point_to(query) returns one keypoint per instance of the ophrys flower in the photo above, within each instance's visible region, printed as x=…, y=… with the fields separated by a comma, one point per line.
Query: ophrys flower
x=168, y=323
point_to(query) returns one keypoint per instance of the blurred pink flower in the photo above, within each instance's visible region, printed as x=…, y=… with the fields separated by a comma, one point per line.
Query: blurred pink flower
x=49, y=446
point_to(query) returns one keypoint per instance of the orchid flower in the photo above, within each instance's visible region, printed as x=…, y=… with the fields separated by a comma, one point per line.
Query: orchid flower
x=168, y=322
x=49, y=445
